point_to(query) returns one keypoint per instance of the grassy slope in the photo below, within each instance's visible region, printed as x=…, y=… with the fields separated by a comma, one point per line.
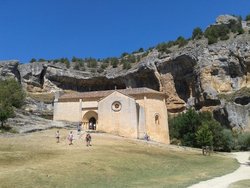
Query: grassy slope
x=35, y=160
x=240, y=184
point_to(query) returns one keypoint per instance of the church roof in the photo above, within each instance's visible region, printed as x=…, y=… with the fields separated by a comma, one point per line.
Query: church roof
x=101, y=94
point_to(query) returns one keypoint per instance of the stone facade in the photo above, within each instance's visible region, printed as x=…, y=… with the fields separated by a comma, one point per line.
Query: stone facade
x=127, y=112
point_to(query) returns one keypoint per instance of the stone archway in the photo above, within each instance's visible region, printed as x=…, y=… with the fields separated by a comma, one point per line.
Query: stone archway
x=90, y=120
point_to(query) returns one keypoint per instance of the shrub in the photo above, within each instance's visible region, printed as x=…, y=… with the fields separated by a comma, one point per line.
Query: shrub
x=197, y=33
x=32, y=60
x=138, y=51
x=41, y=60
x=163, y=47
x=104, y=65
x=91, y=62
x=6, y=111
x=248, y=17
x=244, y=141
x=204, y=136
x=227, y=140
x=141, y=50
x=184, y=126
x=65, y=61
x=126, y=65
x=124, y=54
x=181, y=41
x=11, y=95
x=212, y=40
x=200, y=129
x=224, y=37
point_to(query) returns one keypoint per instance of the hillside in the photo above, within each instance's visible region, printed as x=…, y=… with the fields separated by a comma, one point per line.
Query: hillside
x=194, y=73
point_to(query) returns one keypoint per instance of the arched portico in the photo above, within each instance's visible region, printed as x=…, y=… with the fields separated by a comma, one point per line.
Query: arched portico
x=90, y=120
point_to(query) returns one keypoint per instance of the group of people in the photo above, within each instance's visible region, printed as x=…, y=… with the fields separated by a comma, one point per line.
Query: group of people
x=71, y=138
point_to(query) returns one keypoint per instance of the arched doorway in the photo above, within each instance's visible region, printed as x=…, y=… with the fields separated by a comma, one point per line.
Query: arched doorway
x=90, y=120
x=92, y=123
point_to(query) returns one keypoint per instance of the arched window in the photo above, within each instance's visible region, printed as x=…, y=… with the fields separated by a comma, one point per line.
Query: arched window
x=157, y=119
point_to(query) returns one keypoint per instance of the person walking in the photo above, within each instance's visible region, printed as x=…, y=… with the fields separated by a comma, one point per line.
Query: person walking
x=88, y=140
x=57, y=136
x=70, y=138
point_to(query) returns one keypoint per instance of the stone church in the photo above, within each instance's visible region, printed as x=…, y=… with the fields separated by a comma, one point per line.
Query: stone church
x=129, y=112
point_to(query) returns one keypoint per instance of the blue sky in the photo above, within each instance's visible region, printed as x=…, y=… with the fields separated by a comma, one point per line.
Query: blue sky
x=101, y=28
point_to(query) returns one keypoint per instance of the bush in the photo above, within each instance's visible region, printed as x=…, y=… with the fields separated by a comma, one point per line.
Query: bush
x=184, y=126
x=41, y=60
x=204, y=136
x=200, y=129
x=163, y=47
x=124, y=54
x=244, y=141
x=181, y=41
x=227, y=140
x=91, y=62
x=212, y=40
x=248, y=17
x=197, y=33
x=138, y=51
x=126, y=65
x=224, y=37
x=11, y=95
x=32, y=60
x=215, y=32
x=6, y=111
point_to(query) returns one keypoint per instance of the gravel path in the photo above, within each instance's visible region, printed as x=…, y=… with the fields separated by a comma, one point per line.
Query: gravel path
x=243, y=172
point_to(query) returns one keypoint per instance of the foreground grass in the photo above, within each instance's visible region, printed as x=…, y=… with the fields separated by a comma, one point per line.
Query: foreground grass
x=240, y=184
x=35, y=160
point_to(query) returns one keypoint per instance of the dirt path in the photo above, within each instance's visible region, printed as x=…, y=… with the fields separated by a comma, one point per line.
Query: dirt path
x=243, y=172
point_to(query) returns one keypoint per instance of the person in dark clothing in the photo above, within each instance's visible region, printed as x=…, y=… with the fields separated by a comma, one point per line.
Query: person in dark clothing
x=88, y=140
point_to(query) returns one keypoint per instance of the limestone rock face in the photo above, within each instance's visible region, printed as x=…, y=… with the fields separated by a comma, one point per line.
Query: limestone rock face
x=224, y=19
x=195, y=75
x=8, y=69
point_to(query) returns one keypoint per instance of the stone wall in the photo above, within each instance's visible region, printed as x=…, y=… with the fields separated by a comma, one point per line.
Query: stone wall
x=68, y=111
x=118, y=115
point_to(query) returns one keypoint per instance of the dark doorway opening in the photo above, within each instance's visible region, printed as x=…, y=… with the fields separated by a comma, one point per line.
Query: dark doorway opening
x=92, y=123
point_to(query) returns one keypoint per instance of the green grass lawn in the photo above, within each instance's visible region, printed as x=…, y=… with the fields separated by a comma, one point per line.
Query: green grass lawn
x=36, y=160
x=240, y=184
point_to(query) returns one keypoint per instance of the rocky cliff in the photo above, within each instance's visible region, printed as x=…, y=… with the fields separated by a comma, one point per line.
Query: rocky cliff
x=207, y=77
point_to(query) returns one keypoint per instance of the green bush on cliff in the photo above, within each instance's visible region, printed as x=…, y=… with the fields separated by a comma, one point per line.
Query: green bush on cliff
x=215, y=32
x=247, y=17
x=11, y=95
x=197, y=33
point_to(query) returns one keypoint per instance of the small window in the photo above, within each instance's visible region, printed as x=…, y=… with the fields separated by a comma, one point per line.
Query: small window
x=157, y=119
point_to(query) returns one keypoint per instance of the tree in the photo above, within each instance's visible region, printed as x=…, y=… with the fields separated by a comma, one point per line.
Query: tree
x=204, y=136
x=227, y=140
x=6, y=111
x=32, y=60
x=41, y=60
x=197, y=33
x=11, y=95
x=124, y=54
x=184, y=126
x=248, y=17
x=181, y=41
x=141, y=50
